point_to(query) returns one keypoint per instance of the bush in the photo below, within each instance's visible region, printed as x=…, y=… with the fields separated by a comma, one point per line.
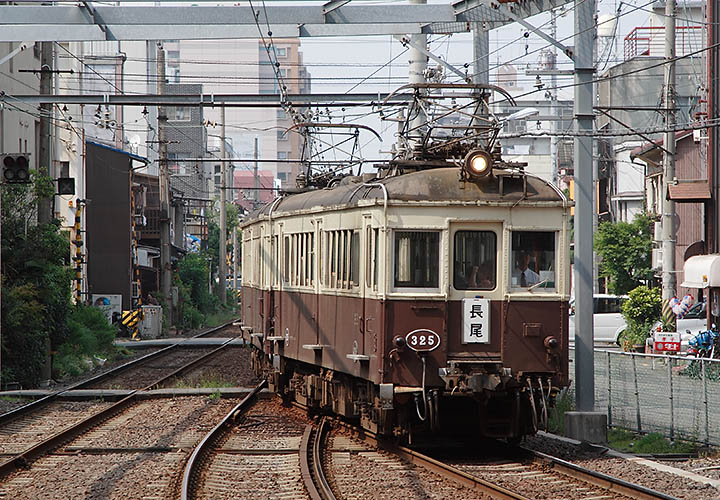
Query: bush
x=25, y=339
x=90, y=337
x=641, y=311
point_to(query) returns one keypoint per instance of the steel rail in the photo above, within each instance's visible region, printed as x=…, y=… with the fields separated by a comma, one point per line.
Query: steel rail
x=317, y=459
x=45, y=400
x=201, y=451
x=305, y=467
x=600, y=479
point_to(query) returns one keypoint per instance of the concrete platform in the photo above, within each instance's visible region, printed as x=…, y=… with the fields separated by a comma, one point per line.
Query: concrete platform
x=165, y=342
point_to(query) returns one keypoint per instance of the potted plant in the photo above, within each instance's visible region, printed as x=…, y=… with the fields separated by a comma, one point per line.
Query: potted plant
x=641, y=310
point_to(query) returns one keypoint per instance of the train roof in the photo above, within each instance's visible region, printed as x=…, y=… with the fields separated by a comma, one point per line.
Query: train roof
x=432, y=185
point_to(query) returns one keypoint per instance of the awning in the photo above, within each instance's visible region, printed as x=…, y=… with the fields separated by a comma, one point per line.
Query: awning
x=689, y=191
x=702, y=271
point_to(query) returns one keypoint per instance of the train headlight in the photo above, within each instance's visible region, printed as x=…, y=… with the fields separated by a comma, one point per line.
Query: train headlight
x=478, y=164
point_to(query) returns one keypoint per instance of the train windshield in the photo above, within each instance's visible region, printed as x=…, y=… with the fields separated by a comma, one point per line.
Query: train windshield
x=417, y=256
x=533, y=260
x=475, y=263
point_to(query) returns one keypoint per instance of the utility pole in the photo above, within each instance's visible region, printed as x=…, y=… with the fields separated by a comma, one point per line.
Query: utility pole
x=222, y=253
x=164, y=186
x=46, y=110
x=256, y=179
x=669, y=279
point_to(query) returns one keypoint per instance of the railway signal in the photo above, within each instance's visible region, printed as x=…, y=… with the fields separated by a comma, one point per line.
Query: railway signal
x=16, y=168
x=66, y=185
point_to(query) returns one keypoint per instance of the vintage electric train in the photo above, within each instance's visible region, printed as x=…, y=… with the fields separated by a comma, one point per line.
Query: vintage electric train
x=432, y=296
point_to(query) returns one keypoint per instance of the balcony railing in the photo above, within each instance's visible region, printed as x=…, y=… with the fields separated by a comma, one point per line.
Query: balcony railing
x=650, y=41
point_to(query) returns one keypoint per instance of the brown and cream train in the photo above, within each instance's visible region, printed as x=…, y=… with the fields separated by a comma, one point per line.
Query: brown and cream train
x=421, y=300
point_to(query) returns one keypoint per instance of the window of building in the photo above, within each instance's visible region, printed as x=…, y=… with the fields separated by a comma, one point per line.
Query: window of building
x=281, y=51
x=282, y=155
x=282, y=114
x=533, y=260
x=417, y=259
x=475, y=262
x=282, y=176
x=282, y=135
x=178, y=113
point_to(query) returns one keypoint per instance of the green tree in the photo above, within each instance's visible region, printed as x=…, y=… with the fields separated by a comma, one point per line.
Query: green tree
x=625, y=249
x=641, y=311
x=36, y=281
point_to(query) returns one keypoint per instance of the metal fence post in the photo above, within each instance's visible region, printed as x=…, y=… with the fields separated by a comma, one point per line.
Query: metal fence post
x=672, y=406
x=609, y=390
x=637, y=394
x=705, y=401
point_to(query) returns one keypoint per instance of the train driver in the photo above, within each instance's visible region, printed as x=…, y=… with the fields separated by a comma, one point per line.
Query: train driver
x=524, y=275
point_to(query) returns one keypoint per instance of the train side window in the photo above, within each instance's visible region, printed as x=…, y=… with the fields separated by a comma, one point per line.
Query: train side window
x=417, y=259
x=533, y=260
x=355, y=258
x=286, y=260
x=376, y=242
x=475, y=263
x=311, y=258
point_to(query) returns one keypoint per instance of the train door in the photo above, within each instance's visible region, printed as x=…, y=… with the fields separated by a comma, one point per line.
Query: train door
x=474, y=311
x=316, y=271
x=372, y=310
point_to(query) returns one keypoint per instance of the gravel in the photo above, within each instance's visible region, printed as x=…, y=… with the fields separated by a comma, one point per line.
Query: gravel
x=177, y=424
x=358, y=471
x=23, y=432
x=227, y=369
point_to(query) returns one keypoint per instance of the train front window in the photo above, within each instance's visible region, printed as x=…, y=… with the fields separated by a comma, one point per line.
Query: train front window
x=533, y=260
x=475, y=263
x=417, y=255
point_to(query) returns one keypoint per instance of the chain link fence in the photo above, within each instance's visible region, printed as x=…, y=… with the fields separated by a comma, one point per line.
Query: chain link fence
x=676, y=396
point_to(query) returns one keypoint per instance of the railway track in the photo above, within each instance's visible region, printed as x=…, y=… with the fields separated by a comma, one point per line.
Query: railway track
x=41, y=426
x=532, y=475
x=86, y=384
x=259, y=450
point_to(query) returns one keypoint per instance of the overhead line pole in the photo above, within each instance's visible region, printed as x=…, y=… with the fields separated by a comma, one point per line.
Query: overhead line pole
x=222, y=253
x=584, y=206
x=669, y=279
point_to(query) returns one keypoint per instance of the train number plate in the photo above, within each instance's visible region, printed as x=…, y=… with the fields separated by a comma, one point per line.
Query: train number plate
x=476, y=321
x=422, y=340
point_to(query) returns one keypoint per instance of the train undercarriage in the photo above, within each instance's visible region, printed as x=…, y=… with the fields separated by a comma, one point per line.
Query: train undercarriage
x=510, y=410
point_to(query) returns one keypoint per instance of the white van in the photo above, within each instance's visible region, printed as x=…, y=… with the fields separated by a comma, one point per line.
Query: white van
x=608, y=321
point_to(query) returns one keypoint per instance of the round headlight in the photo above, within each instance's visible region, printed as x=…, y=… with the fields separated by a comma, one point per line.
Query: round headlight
x=478, y=164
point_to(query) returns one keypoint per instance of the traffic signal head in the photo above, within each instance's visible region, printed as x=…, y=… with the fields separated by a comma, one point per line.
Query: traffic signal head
x=16, y=168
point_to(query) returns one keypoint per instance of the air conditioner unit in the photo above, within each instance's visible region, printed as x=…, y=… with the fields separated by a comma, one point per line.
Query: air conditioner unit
x=657, y=259
x=657, y=233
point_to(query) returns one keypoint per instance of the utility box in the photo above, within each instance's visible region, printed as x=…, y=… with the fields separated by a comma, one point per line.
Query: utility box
x=151, y=325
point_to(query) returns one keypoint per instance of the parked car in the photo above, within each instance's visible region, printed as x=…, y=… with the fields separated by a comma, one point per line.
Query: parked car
x=608, y=321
